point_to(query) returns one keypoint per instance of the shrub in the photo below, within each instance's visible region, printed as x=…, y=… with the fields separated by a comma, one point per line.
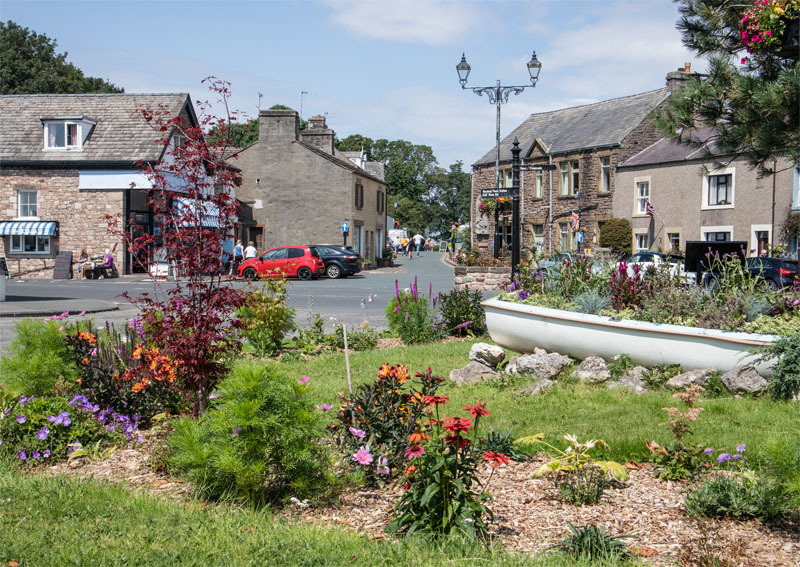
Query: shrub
x=365, y=338
x=499, y=441
x=617, y=235
x=265, y=318
x=383, y=415
x=784, y=383
x=36, y=430
x=619, y=365
x=783, y=471
x=443, y=493
x=572, y=277
x=733, y=497
x=592, y=301
x=256, y=442
x=593, y=543
x=677, y=461
x=410, y=316
x=626, y=291
x=312, y=339
x=462, y=312
x=37, y=357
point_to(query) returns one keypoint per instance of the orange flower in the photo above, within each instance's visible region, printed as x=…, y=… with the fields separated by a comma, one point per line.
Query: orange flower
x=435, y=400
x=456, y=424
x=385, y=370
x=417, y=436
x=409, y=470
x=79, y=381
x=137, y=352
x=496, y=459
x=85, y=362
x=402, y=373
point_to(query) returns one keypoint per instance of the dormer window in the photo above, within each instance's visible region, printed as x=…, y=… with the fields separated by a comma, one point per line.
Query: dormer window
x=66, y=133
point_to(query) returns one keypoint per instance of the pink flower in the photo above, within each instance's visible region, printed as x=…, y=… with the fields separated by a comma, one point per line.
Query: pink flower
x=744, y=60
x=324, y=407
x=304, y=380
x=414, y=451
x=360, y=433
x=767, y=33
x=61, y=328
x=363, y=457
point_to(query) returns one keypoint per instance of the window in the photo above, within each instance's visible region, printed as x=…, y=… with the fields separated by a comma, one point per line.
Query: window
x=507, y=178
x=178, y=141
x=506, y=232
x=720, y=191
x=718, y=236
x=642, y=196
x=359, y=202
x=538, y=235
x=277, y=254
x=296, y=253
x=642, y=243
x=61, y=135
x=570, y=177
x=576, y=186
x=674, y=239
x=605, y=174
x=566, y=237
x=564, y=178
x=537, y=186
x=27, y=201
x=381, y=201
x=796, y=188
x=30, y=244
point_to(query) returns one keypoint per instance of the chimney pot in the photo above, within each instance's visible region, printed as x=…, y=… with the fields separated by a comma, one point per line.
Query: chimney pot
x=687, y=67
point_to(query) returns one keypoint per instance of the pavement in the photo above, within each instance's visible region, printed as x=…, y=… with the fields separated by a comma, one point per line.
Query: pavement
x=20, y=306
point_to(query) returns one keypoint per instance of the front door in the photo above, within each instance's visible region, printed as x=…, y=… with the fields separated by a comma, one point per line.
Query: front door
x=140, y=224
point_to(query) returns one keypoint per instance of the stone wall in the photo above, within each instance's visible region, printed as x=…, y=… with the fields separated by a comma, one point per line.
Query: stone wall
x=79, y=215
x=481, y=278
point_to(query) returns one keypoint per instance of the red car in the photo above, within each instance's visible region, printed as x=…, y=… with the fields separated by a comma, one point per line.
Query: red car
x=290, y=261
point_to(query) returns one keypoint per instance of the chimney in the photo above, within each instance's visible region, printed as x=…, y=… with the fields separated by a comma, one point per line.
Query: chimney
x=318, y=134
x=278, y=126
x=677, y=79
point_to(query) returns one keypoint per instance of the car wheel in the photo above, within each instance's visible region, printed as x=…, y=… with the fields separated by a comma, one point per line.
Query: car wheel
x=304, y=273
x=770, y=285
x=334, y=271
x=249, y=273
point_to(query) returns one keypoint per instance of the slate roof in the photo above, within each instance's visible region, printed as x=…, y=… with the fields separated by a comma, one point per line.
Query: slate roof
x=344, y=163
x=120, y=135
x=669, y=151
x=601, y=124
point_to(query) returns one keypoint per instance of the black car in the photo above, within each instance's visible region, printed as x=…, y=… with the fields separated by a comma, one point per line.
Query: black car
x=339, y=261
x=777, y=272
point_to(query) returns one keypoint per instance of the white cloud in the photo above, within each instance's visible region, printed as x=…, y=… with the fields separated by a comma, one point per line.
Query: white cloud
x=430, y=22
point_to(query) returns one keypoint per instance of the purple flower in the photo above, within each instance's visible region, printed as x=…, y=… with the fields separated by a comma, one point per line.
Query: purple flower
x=77, y=399
x=324, y=407
x=236, y=431
x=737, y=456
x=708, y=451
x=36, y=455
x=304, y=380
x=741, y=448
x=41, y=435
x=21, y=418
x=73, y=446
x=723, y=457
x=382, y=466
x=360, y=433
x=46, y=454
x=81, y=314
x=23, y=399
x=363, y=457
x=214, y=397
x=60, y=419
x=21, y=455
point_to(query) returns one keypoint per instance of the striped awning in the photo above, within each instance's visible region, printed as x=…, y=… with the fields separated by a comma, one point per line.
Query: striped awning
x=190, y=211
x=28, y=228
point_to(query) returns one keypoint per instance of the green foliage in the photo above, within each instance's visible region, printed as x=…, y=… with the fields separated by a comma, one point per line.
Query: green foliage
x=658, y=376
x=617, y=235
x=265, y=318
x=312, y=340
x=29, y=431
x=31, y=66
x=679, y=461
x=577, y=477
x=619, y=365
x=783, y=471
x=626, y=291
x=462, y=312
x=734, y=497
x=501, y=441
x=784, y=383
x=235, y=133
x=410, y=317
x=450, y=198
x=572, y=277
x=256, y=443
x=592, y=301
x=37, y=358
x=593, y=543
x=365, y=338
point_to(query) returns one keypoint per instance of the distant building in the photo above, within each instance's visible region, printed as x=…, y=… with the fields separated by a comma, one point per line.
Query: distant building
x=297, y=189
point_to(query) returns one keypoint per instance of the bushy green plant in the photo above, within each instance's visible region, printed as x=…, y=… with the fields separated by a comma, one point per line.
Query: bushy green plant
x=783, y=471
x=265, y=318
x=577, y=477
x=784, y=383
x=593, y=543
x=365, y=338
x=37, y=357
x=734, y=497
x=312, y=339
x=443, y=493
x=412, y=316
x=257, y=441
x=678, y=461
x=617, y=234
x=500, y=441
x=619, y=365
x=572, y=277
x=383, y=415
x=592, y=301
x=38, y=429
x=462, y=312
x=658, y=376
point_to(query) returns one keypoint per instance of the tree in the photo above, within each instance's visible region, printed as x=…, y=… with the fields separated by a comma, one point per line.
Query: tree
x=408, y=167
x=356, y=143
x=751, y=94
x=29, y=64
x=448, y=198
x=617, y=234
x=240, y=135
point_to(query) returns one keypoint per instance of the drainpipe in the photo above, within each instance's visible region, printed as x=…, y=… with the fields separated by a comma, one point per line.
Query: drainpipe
x=550, y=209
x=772, y=221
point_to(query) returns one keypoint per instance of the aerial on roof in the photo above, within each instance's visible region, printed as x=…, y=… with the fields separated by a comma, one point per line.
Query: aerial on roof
x=118, y=132
x=596, y=125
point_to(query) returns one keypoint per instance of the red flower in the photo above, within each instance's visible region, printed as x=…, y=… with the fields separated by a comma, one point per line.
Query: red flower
x=478, y=409
x=457, y=440
x=435, y=400
x=456, y=424
x=496, y=459
x=414, y=451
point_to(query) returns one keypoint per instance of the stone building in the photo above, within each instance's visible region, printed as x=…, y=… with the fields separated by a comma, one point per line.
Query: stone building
x=694, y=199
x=297, y=189
x=67, y=161
x=583, y=145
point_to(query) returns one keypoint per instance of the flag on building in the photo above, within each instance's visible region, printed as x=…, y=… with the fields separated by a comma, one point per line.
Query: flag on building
x=649, y=209
x=576, y=221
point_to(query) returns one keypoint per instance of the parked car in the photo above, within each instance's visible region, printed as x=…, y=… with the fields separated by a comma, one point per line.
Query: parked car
x=553, y=262
x=290, y=261
x=339, y=262
x=653, y=260
x=776, y=272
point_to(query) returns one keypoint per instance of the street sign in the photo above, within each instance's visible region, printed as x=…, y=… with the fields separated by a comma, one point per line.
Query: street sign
x=344, y=227
x=494, y=193
x=580, y=236
x=543, y=167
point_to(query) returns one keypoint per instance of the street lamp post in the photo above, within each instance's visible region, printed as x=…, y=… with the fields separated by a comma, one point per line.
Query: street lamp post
x=498, y=95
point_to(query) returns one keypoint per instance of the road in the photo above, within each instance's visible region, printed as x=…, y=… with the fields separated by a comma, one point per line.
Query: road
x=350, y=300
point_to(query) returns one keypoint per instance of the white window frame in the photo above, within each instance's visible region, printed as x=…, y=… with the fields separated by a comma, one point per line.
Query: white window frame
x=605, y=175
x=637, y=242
x=65, y=125
x=565, y=177
x=756, y=228
x=639, y=207
x=538, y=239
x=704, y=230
x=18, y=244
x=565, y=229
x=796, y=189
x=707, y=186
x=574, y=175
x=19, y=204
x=538, y=184
x=670, y=232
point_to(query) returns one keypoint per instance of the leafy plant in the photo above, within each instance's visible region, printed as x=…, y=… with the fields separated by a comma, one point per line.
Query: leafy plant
x=784, y=383
x=365, y=338
x=619, y=365
x=592, y=301
x=783, y=471
x=265, y=318
x=256, y=442
x=658, y=376
x=95, y=452
x=499, y=441
x=37, y=357
x=677, y=461
x=572, y=277
x=594, y=543
x=312, y=339
x=462, y=312
x=412, y=316
x=733, y=497
x=577, y=477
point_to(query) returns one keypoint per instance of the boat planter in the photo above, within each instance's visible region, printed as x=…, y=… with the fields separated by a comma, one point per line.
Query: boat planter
x=523, y=327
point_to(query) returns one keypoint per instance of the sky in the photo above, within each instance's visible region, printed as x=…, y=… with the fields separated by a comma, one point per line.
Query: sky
x=380, y=68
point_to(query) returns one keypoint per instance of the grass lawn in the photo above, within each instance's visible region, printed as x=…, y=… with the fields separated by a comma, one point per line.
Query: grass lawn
x=620, y=418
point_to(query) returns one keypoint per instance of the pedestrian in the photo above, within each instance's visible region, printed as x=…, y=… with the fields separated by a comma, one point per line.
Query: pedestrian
x=411, y=249
x=238, y=256
x=404, y=245
x=418, y=240
x=250, y=251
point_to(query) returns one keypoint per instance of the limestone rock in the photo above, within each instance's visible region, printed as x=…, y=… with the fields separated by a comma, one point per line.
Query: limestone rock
x=744, y=380
x=537, y=350
x=537, y=388
x=490, y=355
x=698, y=377
x=538, y=365
x=632, y=380
x=471, y=373
x=593, y=369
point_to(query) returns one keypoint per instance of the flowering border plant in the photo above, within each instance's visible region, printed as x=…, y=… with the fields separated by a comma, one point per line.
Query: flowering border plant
x=763, y=24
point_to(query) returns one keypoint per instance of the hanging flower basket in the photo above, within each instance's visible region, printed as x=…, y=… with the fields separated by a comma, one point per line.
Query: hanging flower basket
x=772, y=27
x=502, y=204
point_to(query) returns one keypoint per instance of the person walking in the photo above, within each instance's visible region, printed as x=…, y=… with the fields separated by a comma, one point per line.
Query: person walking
x=411, y=249
x=250, y=251
x=418, y=240
x=404, y=245
x=238, y=256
